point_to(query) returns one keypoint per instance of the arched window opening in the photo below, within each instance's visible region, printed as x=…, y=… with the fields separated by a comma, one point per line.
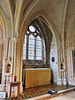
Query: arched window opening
x=33, y=47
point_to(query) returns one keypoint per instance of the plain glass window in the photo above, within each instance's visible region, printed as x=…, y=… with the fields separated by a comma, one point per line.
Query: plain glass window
x=24, y=48
x=31, y=47
x=38, y=48
x=34, y=46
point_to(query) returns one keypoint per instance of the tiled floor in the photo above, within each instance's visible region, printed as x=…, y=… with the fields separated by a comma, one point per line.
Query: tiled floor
x=40, y=90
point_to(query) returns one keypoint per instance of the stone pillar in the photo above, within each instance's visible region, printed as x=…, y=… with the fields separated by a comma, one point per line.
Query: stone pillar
x=59, y=57
x=62, y=73
x=71, y=79
x=65, y=67
x=18, y=53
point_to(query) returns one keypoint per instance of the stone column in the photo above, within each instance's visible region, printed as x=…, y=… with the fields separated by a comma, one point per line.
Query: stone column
x=62, y=73
x=18, y=53
x=59, y=59
x=65, y=67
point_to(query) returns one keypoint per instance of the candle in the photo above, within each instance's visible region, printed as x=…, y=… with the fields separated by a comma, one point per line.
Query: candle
x=15, y=78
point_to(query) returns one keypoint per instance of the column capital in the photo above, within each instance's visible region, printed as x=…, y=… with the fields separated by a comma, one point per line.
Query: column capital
x=15, y=39
x=18, y=40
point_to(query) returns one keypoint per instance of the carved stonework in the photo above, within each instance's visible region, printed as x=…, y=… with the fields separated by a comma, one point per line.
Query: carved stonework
x=7, y=75
x=8, y=65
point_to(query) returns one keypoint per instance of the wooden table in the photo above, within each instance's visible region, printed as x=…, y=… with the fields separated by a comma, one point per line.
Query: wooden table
x=36, y=77
x=14, y=84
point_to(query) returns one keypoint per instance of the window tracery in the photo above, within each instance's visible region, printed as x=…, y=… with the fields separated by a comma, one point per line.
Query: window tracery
x=34, y=45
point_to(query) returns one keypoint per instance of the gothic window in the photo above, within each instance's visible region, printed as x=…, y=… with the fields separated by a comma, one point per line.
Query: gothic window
x=34, y=45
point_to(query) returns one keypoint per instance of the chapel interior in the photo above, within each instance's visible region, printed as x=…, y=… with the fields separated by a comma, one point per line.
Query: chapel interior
x=37, y=43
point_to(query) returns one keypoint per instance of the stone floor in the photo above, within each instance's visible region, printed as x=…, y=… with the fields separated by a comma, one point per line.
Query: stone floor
x=66, y=96
x=40, y=90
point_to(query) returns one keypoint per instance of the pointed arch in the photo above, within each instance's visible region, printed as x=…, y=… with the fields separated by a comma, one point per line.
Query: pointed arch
x=4, y=22
x=49, y=23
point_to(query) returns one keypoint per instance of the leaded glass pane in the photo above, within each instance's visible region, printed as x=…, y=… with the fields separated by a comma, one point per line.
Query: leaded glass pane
x=31, y=47
x=38, y=48
x=24, y=48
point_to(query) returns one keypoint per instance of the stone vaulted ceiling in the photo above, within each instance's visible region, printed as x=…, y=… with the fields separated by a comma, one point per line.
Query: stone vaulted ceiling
x=61, y=12
x=5, y=6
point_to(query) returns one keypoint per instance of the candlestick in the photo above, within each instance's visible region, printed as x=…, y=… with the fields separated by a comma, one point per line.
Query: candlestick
x=15, y=78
